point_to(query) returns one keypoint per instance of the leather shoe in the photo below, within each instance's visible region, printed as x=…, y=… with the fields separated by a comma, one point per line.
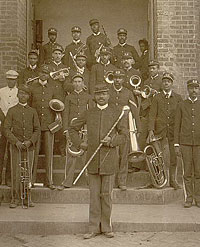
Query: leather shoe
x=31, y=204
x=187, y=204
x=122, y=187
x=109, y=234
x=175, y=185
x=51, y=187
x=90, y=235
x=13, y=205
x=197, y=204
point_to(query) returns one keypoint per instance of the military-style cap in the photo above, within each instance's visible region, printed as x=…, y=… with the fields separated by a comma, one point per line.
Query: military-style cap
x=77, y=75
x=58, y=48
x=24, y=89
x=167, y=75
x=81, y=54
x=52, y=30
x=33, y=52
x=11, y=74
x=105, y=51
x=101, y=88
x=93, y=21
x=127, y=55
x=118, y=73
x=76, y=29
x=153, y=63
x=122, y=31
x=193, y=82
x=44, y=68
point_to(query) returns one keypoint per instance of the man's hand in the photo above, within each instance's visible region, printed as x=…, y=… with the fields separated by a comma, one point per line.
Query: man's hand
x=84, y=146
x=150, y=136
x=178, y=151
x=20, y=145
x=106, y=141
x=27, y=144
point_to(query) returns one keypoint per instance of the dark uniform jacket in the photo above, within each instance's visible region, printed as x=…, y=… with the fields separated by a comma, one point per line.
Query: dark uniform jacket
x=118, y=52
x=97, y=74
x=40, y=97
x=26, y=74
x=45, y=54
x=187, y=123
x=122, y=98
x=2, y=118
x=75, y=105
x=162, y=114
x=142, y=65
x=99, y=122
x=94, y=42
x=22, y=124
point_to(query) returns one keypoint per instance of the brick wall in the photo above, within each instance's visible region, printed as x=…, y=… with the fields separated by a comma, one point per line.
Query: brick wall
x=178, y=39
x=13, y=36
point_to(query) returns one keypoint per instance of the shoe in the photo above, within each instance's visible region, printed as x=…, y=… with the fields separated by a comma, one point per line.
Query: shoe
x=187, y=204
x=61, y=187
x=122, y=187
x=109, y=234
x=51, y=187
x=13, y=205
x=31, y=204
x=175, y=185
x=90, y=235
x=197, y=204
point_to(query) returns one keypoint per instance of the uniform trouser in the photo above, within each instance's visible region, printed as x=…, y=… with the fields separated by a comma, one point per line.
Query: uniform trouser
x=48, y=138
x=15, y=169
x=101, y=187
x=191, y=163
x=2, y=153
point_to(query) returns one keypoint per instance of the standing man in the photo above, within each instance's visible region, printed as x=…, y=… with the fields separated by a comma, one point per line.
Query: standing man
x=99, y=71
x=102, y=168
x=22, y=130
x=122, y=47
x=95, y=42
x=45, y=54
x=2, y=144
x=187, y=142
x=161, y=123
x=120, y=97
x=31, y=71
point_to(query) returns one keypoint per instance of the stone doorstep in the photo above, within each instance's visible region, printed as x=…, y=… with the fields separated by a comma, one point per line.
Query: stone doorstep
x=80, y=195
x=55, y=219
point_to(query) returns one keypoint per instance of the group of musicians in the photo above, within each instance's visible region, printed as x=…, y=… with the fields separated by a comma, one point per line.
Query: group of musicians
x=91, y=85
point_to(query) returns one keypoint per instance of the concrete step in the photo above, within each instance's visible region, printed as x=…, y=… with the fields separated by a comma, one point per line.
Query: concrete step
x=55, y=219
x=80, y=195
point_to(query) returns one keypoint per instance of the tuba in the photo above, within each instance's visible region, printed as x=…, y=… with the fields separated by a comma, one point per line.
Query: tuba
x=108, y=77
x=61, y=72
x=155, y=163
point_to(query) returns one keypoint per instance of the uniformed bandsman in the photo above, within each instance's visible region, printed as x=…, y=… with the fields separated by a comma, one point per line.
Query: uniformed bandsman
x=187, y=142
x=121, y=96
x=99, y=71
x=31, y=71
x=161, y=123
x=45, y=52
x=95, y=42
x=122, y=47
x=2, y=144
x=22, y=129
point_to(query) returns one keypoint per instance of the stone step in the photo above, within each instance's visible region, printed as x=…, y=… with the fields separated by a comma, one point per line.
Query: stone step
x=80, y=195
x=55, y=219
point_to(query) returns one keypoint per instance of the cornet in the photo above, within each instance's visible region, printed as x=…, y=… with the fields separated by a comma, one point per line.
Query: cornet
x=55, y=75
x=108, y=77
x=147, y=91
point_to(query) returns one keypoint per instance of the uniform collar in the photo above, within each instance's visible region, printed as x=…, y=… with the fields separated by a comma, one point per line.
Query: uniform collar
x=145, y=52
x=122, y=45
x=169, y=93
x=57, y=64
x=96, y=34
x=117, y=90
x=128, y=68
x=23, y=105
x=192, y=100
x=76, y=41
x=33, y=67
x=105, y=64
x=154, y=77
x=13, y=88
x=78, y=92
x=43, y=83
x=102, y=107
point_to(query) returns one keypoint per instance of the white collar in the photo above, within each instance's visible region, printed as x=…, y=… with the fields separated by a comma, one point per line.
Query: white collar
x=57, y=63
x=78, y=92
x=105, y=64
x=122, y=44
x=25, y=104
x=192, y=100
x=42, y=82
x=96, y=34
x=145, y=52
x=128, y=68
x=169, y=93
x=76, y=41
x=153, y=77
x=33, y=67
x=118, y=90
x=102, y=107
x=12, y=88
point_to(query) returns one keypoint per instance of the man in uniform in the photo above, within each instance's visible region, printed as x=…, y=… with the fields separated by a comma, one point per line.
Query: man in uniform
x=31, y=71
x=2, y=144
x=122, y=47
x=121, y=96
x=22, y=129
x=45, y=54
x=95, y=42
x=161, y=123
x=187, y=142
x=100, y=70
x=42, y=92
x=8, y=98
x=101, y=170
x=74, y=48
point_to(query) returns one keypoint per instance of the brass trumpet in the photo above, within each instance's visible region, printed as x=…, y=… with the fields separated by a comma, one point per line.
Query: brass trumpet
x=61, y=72
x=108, y=77
x=135, y=81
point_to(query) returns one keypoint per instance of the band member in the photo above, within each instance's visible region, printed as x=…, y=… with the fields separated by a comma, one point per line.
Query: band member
x=187, y=142
x=41, y=93
x=81, y=69
x=121, y=96
x=22, y=130
x=161, y=123
x=8, y=98
x=95, y=42
x=122, y=47
x=143, y=61
x=45, y=53
x=75, y=104
x=74, y=48
x=2, y=144
x=99, y=70
x=31, y=71
x=102, y=168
